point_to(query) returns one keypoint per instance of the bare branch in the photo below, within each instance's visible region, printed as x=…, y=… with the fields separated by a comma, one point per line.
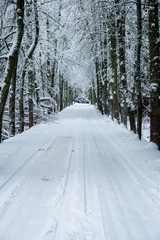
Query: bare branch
x=46, y=2
x=51, y=18
x=4, y=57
x=8, y=35
x=11, y=26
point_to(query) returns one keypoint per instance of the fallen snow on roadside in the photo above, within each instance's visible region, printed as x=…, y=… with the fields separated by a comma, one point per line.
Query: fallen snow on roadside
x=81, y=177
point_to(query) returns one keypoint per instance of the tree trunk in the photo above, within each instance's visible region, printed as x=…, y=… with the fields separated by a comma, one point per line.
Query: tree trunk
x=21, y=109
x=114, y=101
x=30, y=95
x=104, y=71
x=61, y=88
x=12, y=100
x=26, y=61
x=99, y=100
x=132, y=121
x=122, y=68
x=154, y=53
x=138, y=69
x=70, y=96
x=48, y=70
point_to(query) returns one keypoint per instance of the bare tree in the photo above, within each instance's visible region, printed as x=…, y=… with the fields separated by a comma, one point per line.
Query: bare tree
x=12, y=59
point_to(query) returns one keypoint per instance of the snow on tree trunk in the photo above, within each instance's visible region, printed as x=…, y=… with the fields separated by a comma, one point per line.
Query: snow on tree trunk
x=121, y=15
x=27, y=60
x=113, y=63
x=138, y=69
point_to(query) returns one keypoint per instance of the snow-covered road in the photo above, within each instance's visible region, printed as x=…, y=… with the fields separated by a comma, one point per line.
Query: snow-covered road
x=81, y=177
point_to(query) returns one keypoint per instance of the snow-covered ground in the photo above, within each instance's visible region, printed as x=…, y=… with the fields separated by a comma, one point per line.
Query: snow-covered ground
x=82, y=177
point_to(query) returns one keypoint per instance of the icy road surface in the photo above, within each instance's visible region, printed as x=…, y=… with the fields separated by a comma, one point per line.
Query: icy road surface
x=81, y=177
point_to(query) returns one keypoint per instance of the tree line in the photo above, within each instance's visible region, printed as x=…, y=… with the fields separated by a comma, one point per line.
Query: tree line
x=52, y=51
x=127, y=63
x=32, y=84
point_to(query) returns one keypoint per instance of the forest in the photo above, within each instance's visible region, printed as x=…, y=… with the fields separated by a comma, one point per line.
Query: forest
x=53, y=51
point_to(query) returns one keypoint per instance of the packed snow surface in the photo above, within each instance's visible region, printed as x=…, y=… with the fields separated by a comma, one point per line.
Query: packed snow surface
x=80, y=177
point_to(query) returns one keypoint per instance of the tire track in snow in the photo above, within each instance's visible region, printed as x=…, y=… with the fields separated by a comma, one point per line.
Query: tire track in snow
x=137, y=175
x=50, y=142
x=94, y=145
x=10, y=196
x=67, y=175
x=84, y=173
x=119, y=192
x=94, y=212
x=21, y=167
x=53, y=233
x=9, y=199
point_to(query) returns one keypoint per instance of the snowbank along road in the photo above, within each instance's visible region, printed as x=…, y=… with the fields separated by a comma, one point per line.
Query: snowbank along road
x=81, y=177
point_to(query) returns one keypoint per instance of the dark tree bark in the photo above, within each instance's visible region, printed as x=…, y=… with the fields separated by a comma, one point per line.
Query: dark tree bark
x=132, y=112
x=121, y=14
x=132, y=121
x=61, y=88
x=12, y=59
x=53, y=72
x=12, y=100
x=99, y=87
x=94, y=99
x=48, y=62
x=104, y=73
x=21, y=102
x=66, y=94
x=70, y=96
x=113, y=62
x=30, y=95
x=154, y=52
x=138, y=69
